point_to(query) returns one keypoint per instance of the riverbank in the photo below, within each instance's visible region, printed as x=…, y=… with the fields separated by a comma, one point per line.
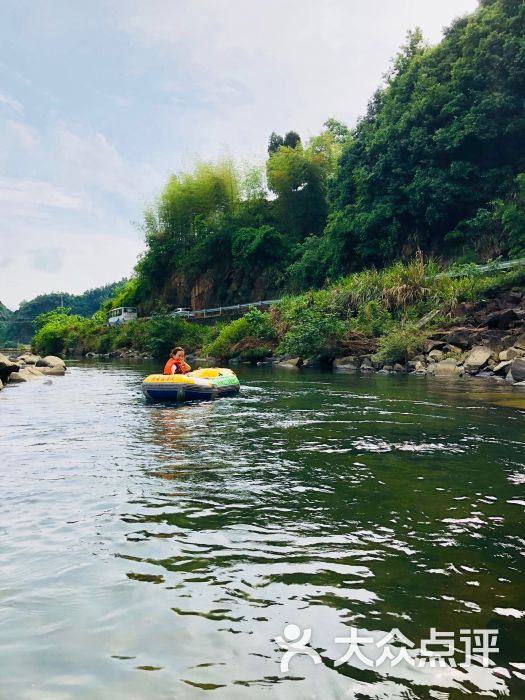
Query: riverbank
x=410, y=317
x=488, y=342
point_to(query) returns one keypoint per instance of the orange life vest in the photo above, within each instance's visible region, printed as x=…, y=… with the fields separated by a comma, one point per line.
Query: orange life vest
x=181, y=367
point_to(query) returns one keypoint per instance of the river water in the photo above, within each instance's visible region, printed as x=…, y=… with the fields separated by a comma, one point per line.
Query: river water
x=153, y=551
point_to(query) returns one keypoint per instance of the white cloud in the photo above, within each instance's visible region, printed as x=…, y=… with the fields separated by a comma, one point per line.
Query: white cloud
x=61, y=261
x=243, y=69
x=88, y=160
x=33, y=198
x=10, y=102
x=49, y=259
x=25, y=135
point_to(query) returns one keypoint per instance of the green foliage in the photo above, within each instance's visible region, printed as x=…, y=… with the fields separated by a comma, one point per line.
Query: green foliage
x=58, y=330
x=19, y=325
x=260, y=324
x=165, y=332
x=229, y=335
x=433, y=163
x=309, y=328
x=255, y=326
x=400, y=343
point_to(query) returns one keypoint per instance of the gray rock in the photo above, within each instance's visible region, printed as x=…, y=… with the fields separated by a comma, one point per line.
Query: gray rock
x=436, y=355
x=501, y=319
x=430, y=345
x=520, y=342
x=477, y=358
x=29, y=358
x=519, y=385
x=502, y=367
x=292, y=362
x=27, y=374
x=399, y=367
x=517, y=370
x=511, y=354
x=51, y=361
x=56, y=371
x=420, y=367
x=452, y=348
x=447, y=368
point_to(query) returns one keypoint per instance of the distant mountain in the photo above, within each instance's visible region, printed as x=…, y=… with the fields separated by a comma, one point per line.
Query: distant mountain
x=5, y=313
x=17, y=326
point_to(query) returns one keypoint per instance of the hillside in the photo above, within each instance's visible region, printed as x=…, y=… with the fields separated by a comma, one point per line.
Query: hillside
x=18, y=325
x=435, y=165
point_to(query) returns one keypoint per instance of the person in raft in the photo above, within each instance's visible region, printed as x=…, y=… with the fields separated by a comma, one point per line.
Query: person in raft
x=176, y=363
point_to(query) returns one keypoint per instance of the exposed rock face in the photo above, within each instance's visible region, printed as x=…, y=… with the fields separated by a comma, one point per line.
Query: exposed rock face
x=517, y=370
x=477, y=358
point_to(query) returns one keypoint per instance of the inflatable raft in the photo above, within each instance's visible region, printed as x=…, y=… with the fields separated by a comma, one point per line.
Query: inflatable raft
x=207, y=383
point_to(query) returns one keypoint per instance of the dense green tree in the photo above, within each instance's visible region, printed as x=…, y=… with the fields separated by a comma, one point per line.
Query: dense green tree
x=442, y=139
x=274, y=143
x=291, y=139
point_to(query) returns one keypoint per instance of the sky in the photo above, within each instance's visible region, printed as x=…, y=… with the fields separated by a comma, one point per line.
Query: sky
x=101, y=101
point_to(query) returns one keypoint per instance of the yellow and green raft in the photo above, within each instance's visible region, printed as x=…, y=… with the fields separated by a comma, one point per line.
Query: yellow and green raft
x=207, y=383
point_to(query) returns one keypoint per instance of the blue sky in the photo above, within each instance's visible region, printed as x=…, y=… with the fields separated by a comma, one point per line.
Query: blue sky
x=101, y=101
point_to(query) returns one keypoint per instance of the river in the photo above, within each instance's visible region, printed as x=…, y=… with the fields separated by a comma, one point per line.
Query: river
x=154, y=551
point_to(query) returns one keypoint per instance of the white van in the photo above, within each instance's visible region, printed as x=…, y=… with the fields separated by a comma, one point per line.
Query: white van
x=122, y=315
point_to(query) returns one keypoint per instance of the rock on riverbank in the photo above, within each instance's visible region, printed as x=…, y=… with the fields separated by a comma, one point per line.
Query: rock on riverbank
x=489, y=342
x=29, y=367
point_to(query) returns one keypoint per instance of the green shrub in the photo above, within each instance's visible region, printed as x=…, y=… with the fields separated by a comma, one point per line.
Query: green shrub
x=57, y=331
x=228, y=336
x=400, y=343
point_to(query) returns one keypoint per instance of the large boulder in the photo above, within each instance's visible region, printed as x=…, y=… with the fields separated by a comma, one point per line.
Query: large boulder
x=477, y=358
x=447, y=368
x=350, y=363
x=511, y=354
x=292, y=362
x=517, y=370
x=436, y=355
x=51, y=361
x=28, y=358
x=26, y=374
x=501, y=319
x=57, y=371
x=7, y=367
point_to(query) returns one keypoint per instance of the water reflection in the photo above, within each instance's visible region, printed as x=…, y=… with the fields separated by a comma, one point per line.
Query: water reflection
x=185, y=543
